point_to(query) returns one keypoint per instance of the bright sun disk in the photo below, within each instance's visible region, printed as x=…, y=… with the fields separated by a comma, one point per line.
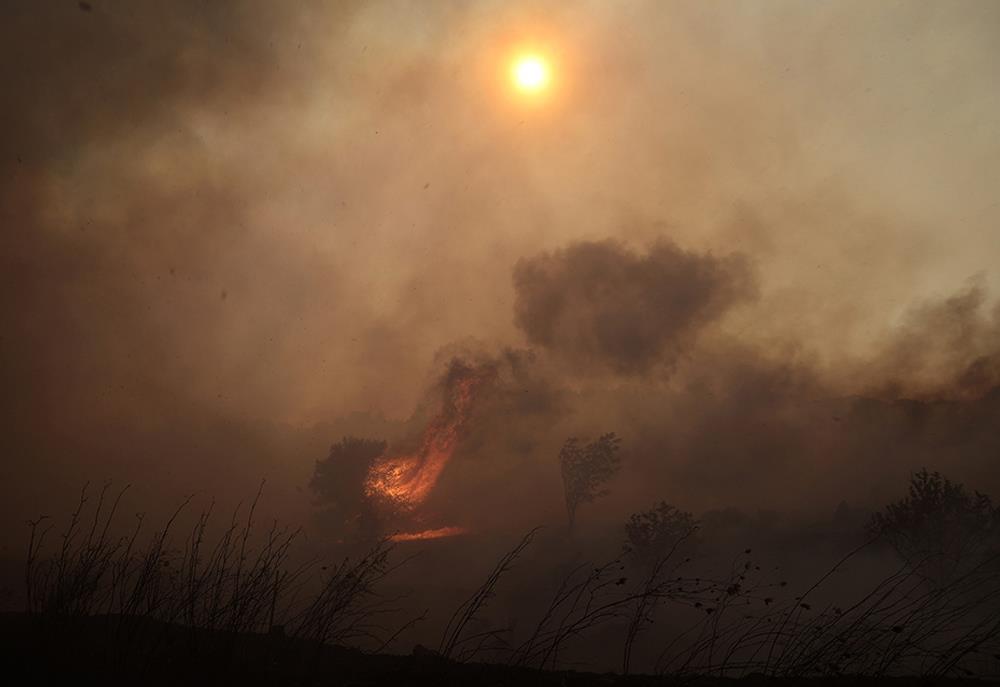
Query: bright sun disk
x=531, y=73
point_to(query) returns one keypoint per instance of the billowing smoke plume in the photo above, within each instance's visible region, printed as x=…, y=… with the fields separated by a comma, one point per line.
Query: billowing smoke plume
x=600, y=303
x=945, y=348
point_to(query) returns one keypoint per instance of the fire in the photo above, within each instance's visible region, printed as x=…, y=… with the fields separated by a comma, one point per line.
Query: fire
x=406, y=481
x=428, y=534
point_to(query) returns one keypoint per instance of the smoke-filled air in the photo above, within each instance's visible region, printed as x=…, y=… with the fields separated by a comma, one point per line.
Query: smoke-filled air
x=481, y=342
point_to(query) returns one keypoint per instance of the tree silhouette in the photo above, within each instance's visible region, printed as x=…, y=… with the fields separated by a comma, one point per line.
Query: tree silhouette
x=338, y=481
x=586, y=469
x=939, y=525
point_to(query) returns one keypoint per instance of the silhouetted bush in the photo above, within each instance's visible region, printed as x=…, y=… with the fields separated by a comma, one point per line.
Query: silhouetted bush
x=939, y=525
x=660, y=531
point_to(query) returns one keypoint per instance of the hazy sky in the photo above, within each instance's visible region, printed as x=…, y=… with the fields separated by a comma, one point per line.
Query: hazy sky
x=232, y=214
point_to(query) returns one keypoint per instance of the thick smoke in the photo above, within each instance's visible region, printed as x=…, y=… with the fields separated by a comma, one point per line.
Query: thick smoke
x=605, y=305
x=736, y=424
x=733, y=426
x=944, y=348
x=234, y=232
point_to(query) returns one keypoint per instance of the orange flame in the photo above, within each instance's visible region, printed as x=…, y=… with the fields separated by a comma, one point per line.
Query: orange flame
x=428, y=534
x=407, y=480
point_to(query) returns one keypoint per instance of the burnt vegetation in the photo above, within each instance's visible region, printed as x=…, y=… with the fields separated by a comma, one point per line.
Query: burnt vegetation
x=234, y=600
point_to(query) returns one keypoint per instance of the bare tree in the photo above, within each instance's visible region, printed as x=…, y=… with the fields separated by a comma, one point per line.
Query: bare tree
x=586, y=469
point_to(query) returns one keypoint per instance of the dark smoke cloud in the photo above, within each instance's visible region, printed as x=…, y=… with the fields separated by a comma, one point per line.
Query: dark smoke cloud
x=601, y=303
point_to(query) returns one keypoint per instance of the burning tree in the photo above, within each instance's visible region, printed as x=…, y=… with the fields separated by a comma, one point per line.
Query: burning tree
x=383, y=491
x=586, y=469
x=338, y=483
x=406, y=480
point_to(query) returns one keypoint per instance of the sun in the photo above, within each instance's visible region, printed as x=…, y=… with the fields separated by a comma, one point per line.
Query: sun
x=530, y=73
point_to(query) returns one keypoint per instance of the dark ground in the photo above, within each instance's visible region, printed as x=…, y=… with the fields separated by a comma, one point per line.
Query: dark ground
x=39, y=650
